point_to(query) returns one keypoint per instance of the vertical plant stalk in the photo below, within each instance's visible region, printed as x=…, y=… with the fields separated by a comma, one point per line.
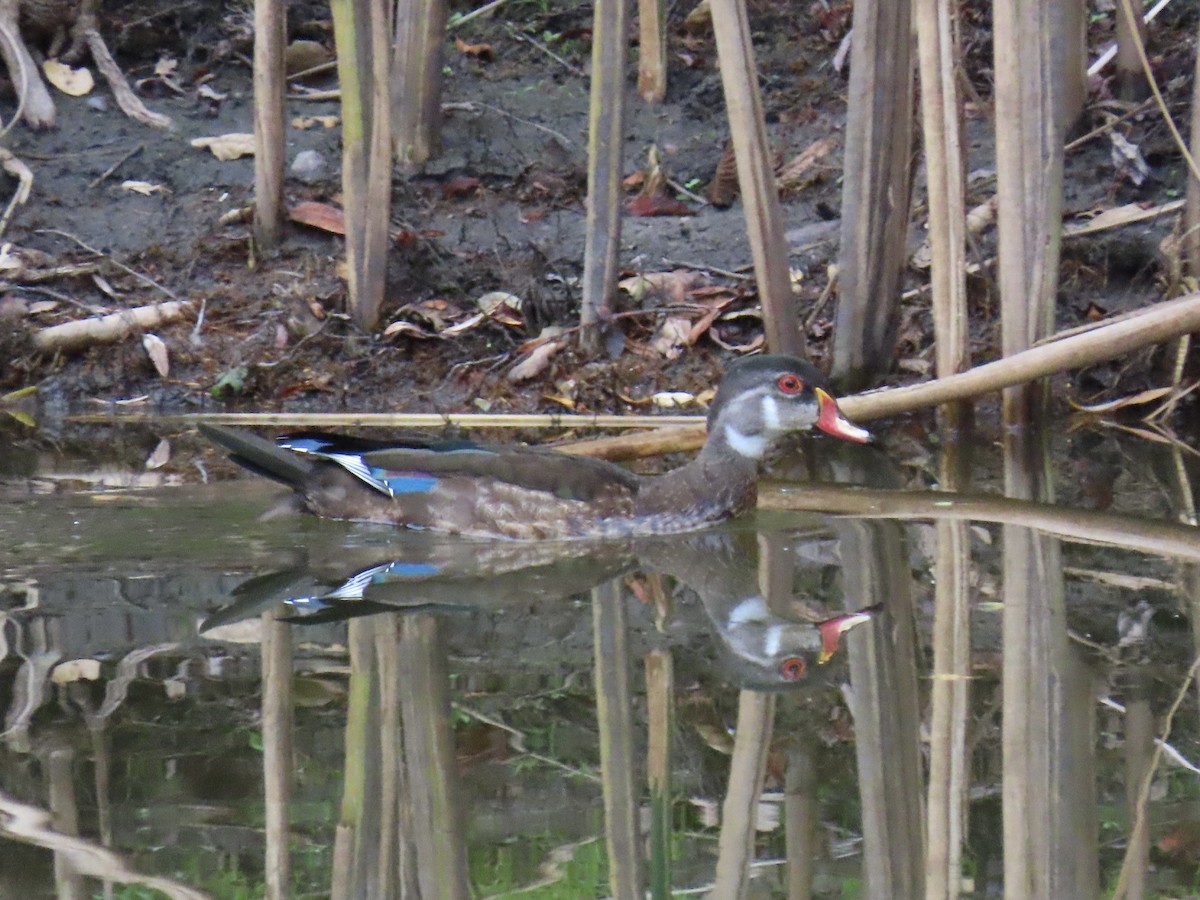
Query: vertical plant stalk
x=652, y=50
x=1191, y=217
x=801, y=812
x=1029, y=171
x=1131, y=31
x=606, y=139
x=270, y=35
x=416, y=82
x=660, y=702
x=432, y=772
x=346, y=882
x=756, y=177
x=885, y=704
x=1073, y=62
x=362, y=35
x=615, y=713
x=747, y=769
x=277, y=751
x=948, y=763
x=876, y=191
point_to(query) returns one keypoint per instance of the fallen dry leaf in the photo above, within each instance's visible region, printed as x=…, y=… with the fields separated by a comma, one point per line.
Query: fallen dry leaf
x=157, y=351
x=535, y=363
x=657, y=205
x=795, y=174
x=481, y=52
x=145, y=188
x=303, y=123
x=462, y=186
x=410, y=329
x=72, y=82
x=1147, y=396
x=76, y=670
x=672, y=399
x=319, y=215
x=227, y=146
x=672, y=336
x=161, y=455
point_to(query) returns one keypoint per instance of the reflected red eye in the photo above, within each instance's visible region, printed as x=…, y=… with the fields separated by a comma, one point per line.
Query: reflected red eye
x=792, y=668
x=790, y=384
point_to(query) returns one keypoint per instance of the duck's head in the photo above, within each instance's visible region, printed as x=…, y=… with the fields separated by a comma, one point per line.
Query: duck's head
x=762, y=398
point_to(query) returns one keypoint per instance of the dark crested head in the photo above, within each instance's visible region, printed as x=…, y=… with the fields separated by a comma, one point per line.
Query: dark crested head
x=766, y=396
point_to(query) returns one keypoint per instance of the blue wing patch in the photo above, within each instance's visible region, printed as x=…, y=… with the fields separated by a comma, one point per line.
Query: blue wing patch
x=403, y=482
x=404, y=570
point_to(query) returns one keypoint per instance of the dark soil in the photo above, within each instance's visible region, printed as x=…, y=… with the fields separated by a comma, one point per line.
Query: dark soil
x=273, y=333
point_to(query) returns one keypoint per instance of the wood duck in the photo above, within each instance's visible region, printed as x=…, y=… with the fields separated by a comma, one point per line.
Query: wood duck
x=529, y=493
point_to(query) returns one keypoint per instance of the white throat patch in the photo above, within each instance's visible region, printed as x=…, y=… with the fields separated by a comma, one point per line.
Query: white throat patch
x=770, y=413
x=751, y=446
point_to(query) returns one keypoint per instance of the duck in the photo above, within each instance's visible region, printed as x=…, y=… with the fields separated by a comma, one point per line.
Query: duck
x=534, y=493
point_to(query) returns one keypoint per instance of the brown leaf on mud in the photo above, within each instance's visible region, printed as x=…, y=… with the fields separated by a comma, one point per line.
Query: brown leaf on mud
x=672, y=337
x=410, y=329
x=723, y=188
x=797, y=173
x=529, y=216
x=634, y=181
x=657, y=205
x=319, y=215
x=714, y=306
x=535, y=363
x=481, y=52
x=408, y=237
x=672, y=286
x=462, y=186
x=227, y=146
x=157, y=351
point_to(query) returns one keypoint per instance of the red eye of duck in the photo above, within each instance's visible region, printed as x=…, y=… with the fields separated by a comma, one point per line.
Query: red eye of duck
x=789, y=384
x=792, y=668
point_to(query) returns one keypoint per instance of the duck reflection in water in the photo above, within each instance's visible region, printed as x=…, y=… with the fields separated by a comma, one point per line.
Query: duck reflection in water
x=761, y=642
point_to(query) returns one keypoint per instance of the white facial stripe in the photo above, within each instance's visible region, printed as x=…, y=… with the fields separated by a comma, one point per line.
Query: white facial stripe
x=770, y=413
x=751, y=446
x=752, y=609
x=772, y=641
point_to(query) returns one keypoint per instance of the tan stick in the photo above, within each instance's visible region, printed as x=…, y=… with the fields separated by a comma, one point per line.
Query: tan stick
x=71, y=337
x=606, y=141
x=652, y=50
x=1078, y=525
x=1153, y=325
x=270, y=34
x=756, y=176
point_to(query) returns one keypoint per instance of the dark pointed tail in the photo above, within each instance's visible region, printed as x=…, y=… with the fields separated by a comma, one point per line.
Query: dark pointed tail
x=260, y=455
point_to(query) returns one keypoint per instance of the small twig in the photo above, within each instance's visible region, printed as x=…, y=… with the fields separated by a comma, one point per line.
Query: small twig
x=1168, y=749
x=1109, y=125
x=318, y=69
x=13, y=166
x=178, y=7
x=146, y=279
x=704, y=267
x=517, y=741
x=1140, y=824
x=120, y=162
x=569, y=66
x=475, y=13
x=679, y=188
x=819, y=307
x=476, y=105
